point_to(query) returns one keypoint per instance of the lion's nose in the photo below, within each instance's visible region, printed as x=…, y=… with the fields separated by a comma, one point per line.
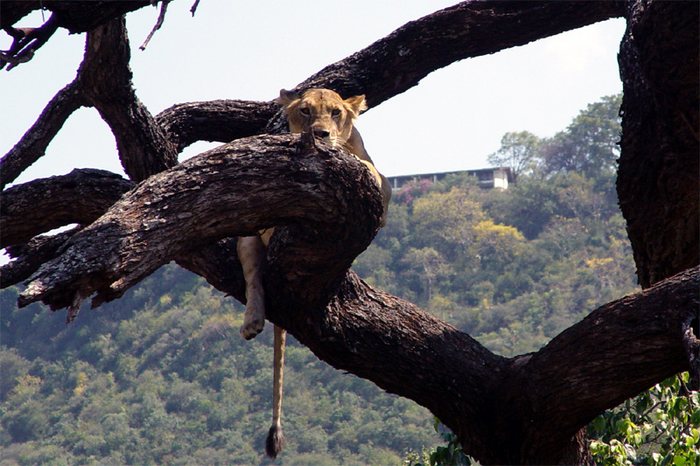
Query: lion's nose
x=320, y=133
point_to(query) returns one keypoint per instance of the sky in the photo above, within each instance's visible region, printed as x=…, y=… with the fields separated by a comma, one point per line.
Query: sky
x=249, y=49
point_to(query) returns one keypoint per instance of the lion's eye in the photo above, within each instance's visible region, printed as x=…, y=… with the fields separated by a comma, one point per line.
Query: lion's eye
x=335, y=112
x=304, y=111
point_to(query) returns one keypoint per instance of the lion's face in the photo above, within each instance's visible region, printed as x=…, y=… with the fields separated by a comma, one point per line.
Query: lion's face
x=323, y=113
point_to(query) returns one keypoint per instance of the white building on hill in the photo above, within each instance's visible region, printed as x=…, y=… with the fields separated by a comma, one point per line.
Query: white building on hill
x=499, y=177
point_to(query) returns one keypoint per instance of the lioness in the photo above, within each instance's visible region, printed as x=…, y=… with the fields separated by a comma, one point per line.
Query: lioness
x=325, y=115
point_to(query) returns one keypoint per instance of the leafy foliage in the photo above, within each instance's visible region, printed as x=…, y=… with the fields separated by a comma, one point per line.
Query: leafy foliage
x=658, y=427
x=162, y=377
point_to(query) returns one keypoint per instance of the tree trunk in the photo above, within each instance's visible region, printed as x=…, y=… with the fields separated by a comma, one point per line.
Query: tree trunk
x=659, y=164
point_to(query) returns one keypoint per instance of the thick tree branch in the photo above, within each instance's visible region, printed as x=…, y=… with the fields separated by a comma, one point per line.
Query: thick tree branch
x=41, y=205
x=195, y=203
x=616, y=352
x=105, y=78
x=217, y=120
x=658, y=168
x=549, y=394
x=37, y=138
x=469, y=29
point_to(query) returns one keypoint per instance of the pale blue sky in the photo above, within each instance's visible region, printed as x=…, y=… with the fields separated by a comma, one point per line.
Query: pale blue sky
x=250, y=49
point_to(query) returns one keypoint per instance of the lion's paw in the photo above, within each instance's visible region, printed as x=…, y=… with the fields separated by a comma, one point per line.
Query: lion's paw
x=251, y=328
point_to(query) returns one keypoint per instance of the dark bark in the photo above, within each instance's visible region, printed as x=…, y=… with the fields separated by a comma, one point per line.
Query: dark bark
x=124, y=245
x=399, y=61
x=217, y=120
x=106, y=81
x=37, y=138
x=75, y=16
x=81, y=197
x=326, y=208
x=659, y=163
x=28, y=257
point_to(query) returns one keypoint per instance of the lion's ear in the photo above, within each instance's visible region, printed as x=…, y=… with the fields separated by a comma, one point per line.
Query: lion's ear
x=356, y=104
x=287, y=97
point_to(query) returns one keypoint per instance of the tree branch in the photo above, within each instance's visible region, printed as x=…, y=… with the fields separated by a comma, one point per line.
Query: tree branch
x=106, y=81
x=217, y=120
x=616, y=352
x=28, y=257
x=38, y=206
x=25, y=42
x=37, y=138
x=236, y=189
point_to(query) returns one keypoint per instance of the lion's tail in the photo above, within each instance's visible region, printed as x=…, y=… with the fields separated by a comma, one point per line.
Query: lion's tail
x=275, y=437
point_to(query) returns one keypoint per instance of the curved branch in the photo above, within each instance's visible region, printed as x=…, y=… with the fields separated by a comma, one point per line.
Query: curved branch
x=549, y=395
x=37, y=138
x=469, y=29
x=105, y=78
x=41, y=205
x=217, y=120
x=236, y=189
x=616, y=352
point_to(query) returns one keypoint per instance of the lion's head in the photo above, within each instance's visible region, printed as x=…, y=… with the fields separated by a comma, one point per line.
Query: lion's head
x=322, y=112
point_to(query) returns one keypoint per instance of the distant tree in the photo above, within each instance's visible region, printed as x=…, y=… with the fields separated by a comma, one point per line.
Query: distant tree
x=589, y=146
x=447, y=220
x=519, y=151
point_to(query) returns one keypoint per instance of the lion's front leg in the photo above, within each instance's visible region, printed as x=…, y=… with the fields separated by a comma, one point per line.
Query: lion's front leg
x=251, y=253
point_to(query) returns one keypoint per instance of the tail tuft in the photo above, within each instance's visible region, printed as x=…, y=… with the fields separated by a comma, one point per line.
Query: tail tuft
x=275, y=441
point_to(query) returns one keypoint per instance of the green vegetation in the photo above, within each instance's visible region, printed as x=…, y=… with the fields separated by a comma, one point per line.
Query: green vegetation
x=162, y=376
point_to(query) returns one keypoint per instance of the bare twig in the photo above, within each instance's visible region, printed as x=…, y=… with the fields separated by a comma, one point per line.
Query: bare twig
x=159, y=23
x=193, y=10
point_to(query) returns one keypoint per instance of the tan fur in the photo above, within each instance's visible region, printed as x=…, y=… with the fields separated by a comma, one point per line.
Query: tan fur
x=327, y=116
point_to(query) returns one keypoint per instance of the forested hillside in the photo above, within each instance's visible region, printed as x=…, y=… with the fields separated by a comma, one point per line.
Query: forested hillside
x=161, y=376
x=514, y=267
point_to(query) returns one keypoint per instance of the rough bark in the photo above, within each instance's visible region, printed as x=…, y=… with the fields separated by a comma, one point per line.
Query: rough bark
x=192, y=197
x=78, y=197
x=326, y=207
x=106, y=82
x=28, y=257
x=33, y=144
x=659, y=164
x=217, y=120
